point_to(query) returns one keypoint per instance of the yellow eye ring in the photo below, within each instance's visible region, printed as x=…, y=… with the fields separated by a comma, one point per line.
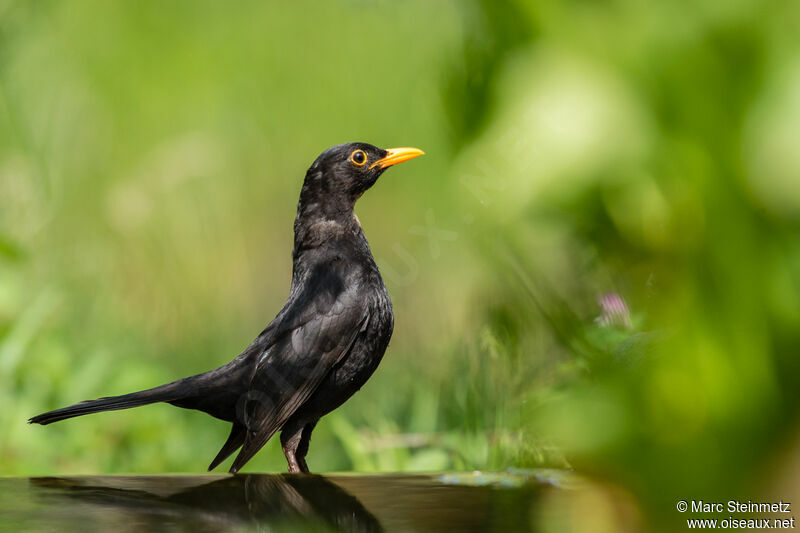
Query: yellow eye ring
x=358, y=158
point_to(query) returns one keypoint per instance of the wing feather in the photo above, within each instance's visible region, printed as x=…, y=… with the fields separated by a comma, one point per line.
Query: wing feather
x=314, y=331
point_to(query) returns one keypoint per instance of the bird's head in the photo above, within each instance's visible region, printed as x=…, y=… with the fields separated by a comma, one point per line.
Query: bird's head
x=342, y=173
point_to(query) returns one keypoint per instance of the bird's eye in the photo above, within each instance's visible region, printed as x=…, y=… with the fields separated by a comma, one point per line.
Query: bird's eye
x=358, y=158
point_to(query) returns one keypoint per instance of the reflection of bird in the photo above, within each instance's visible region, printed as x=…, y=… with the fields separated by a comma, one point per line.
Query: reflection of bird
x=321, y=347
x=228, y=503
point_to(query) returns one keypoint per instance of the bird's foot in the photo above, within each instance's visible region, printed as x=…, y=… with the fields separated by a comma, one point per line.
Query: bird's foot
x=297, y=465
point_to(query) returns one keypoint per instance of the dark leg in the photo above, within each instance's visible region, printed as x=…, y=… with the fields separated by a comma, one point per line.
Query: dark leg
x=302, y=449
x=291, y=435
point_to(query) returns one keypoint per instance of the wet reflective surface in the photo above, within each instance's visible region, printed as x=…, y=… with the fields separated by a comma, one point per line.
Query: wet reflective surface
x=271, y=502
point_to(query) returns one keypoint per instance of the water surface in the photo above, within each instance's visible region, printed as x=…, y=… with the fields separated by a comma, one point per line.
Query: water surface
x=277, y=502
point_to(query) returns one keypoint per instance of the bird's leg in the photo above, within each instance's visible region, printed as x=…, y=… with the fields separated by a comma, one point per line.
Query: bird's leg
x=302, y=449
x=291, y=436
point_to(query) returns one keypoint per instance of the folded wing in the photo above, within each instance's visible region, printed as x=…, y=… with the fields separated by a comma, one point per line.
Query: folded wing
x=312, y=333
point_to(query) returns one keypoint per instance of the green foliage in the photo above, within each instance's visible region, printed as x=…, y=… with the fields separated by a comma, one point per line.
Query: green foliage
x=150, y=160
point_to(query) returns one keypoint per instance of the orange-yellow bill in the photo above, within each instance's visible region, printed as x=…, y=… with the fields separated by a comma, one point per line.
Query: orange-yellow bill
x=396, y=155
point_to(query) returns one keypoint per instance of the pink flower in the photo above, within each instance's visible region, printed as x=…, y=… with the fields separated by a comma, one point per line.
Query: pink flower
x=613, y=311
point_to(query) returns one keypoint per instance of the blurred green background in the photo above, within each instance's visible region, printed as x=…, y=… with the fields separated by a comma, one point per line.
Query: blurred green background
x=596, y=265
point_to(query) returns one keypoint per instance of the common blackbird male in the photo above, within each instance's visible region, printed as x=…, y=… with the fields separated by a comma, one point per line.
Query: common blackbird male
x=320, y=348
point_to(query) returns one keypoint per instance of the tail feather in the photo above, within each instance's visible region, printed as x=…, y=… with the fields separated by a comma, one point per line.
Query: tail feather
x=165, y=393
x=235, y=440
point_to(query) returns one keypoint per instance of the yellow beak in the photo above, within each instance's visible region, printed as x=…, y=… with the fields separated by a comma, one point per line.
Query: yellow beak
x=396, y=155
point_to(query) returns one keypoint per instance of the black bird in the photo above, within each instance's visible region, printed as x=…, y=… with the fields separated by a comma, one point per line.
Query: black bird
x=320, y=348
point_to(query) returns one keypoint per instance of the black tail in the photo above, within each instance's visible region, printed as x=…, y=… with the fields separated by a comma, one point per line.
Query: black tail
x=234, y=442
x=165, y=393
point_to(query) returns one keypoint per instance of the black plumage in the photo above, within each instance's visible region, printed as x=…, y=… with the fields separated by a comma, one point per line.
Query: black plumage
x=321, y=347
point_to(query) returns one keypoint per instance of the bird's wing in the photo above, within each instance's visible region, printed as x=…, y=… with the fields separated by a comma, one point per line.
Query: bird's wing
x=312, y=333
